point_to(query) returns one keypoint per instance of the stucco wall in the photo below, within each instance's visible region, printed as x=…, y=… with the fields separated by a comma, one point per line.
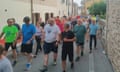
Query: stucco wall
x=13, y=9
x=113, y=33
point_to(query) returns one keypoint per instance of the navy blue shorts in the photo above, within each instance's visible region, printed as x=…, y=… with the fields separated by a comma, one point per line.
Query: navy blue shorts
x=80, y=44
x=68, y=51
x=8, y=45
x=26, y=48
x=50, y=47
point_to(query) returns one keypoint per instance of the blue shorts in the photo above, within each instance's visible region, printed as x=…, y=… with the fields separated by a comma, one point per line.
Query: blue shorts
x=50, y=47
x=80, y=44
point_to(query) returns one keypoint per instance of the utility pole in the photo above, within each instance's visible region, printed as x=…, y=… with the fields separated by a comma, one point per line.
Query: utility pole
x=72, y=7
x=32, y=10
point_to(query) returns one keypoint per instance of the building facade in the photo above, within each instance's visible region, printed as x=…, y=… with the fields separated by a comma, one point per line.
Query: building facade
x=34, y=8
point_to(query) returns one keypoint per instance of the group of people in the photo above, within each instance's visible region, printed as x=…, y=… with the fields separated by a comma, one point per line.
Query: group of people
x=55, y=32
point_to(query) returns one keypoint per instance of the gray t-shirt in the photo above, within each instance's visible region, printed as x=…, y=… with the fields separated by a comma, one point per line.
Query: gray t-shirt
x=5, y=65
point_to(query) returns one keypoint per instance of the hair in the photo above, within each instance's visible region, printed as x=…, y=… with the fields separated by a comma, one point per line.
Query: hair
x=26, y=19
x=9, y=19
x=67, y=25
x=1, y=49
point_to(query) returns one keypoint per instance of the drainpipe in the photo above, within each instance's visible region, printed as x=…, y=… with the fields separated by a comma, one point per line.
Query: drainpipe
x=72, y=7
x=32, y=10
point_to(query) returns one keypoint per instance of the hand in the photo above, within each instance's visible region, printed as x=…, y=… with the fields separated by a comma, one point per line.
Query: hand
x=56, y=44
x=14, y=43
x=65, y=39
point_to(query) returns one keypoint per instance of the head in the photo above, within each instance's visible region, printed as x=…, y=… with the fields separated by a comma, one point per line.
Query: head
x=83, y=20
x=93, y=21
x=1, y=50
x=57, y=17
x=51, y=21
x=10, y=22
x=69, y=18
x=26, y=20
x=66, y=26
x=79, y=21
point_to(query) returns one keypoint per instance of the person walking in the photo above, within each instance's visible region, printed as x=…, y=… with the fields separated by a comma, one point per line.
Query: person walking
x=5, y=65
x=80, y=32
x=51, y=40
x=19, y=35
x=67, y=47
x=28, y=34
x=85, y=23
x=38, y=36
x=93, y=33
x=11, y=34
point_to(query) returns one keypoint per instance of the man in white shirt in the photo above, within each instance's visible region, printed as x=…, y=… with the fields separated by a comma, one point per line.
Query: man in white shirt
x=51, y=40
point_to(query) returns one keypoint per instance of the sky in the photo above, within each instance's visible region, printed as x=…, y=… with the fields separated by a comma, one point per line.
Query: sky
x=78, y=2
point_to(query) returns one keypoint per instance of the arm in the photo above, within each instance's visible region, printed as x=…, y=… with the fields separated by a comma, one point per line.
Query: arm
x=1, y=35
x=58, y=38
x=69, y=40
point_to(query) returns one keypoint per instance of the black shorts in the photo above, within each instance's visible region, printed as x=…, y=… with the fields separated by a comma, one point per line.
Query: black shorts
x=67, y=51
x=80, y=44
x=8, y=45
x=48, y=47
x=26, y=48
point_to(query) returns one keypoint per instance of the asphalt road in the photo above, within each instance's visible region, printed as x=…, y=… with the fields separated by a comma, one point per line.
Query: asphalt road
x=94, y=62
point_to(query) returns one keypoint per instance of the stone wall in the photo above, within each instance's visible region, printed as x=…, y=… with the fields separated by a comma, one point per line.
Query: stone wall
x=113, y=33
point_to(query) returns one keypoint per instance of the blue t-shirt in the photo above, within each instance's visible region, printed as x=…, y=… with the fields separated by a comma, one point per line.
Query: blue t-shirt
x=28, y=31
x=93, y=29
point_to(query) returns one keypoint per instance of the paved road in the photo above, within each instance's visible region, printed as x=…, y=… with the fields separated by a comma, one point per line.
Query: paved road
x=95, y=62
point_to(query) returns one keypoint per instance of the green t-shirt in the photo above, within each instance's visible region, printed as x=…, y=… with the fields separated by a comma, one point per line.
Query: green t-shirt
x=80, y=33
x=10, y=33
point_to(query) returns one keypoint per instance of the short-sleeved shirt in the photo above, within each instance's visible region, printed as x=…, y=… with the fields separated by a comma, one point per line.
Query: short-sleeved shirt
x=27, y=31
x=38, y=31
x=51, y=33
x=10, y=33
x=93, y=29
x=68, y=35
x=5, y=65
x=18, y=26
x=80, y=32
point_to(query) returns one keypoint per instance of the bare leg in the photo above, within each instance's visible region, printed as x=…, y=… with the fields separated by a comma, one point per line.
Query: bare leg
x=64, y=65
x=46, y=59
x=14, y=54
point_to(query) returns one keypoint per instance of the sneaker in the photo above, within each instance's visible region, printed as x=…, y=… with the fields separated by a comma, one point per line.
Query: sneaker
x=82, y=53
x=64, y=71
x=54, y=63
x=44, y=69
x=77, y=59
x=72, y=65
x=35, y=56
x=95, y=48
x=90, y=51
x=28, y=67
x=14, y=63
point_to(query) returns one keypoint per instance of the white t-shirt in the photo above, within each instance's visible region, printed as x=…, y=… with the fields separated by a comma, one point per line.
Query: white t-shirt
x=51, y=33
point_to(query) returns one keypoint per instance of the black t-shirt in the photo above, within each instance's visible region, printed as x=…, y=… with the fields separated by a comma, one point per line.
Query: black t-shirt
x=68, y=35
x=17, y=25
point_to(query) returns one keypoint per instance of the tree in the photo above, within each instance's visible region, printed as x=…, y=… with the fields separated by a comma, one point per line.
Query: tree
x=98, y=8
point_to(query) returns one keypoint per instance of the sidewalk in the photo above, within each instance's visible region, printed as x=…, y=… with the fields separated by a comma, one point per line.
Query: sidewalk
x=94, y=62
